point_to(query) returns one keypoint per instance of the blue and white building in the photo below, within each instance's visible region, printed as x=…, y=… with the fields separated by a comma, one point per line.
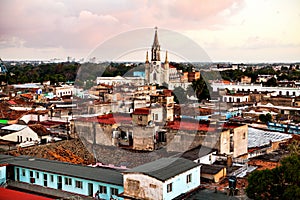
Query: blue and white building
x=166, y=178
x=74, y=179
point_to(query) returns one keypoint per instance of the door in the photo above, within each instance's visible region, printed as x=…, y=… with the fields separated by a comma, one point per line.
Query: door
x=18, y=174
x=45, y=180
x=90, y=188
x=59, y=182
x=10, y=173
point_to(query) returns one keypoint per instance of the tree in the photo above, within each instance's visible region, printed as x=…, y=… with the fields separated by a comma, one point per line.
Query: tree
x=282, y=182
x=201, y=89
x=272, y=82
x=180, y=95
x=265, y=118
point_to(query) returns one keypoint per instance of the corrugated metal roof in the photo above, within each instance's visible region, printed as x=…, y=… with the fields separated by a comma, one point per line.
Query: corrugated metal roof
x=164, y=168
x=14, y=127
x=91, y=173
x=258, y=138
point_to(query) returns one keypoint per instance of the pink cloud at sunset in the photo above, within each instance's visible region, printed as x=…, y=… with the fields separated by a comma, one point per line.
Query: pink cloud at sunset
x=43, y=29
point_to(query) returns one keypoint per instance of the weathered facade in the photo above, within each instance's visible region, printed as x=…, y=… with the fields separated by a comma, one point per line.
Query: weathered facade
x=162, y=179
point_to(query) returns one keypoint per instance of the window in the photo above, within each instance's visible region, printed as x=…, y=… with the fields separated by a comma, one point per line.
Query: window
x=152, y=186
x=31, y=173
x=169, y=187
x=189, y=178
x=102, y=189
x=51, y=178
x=156, y=116
x=68, y=181
x=140, y=117
x=23, y=172
x=244, y=135
x=78, y=184
x=37, y=175
x=114, y=191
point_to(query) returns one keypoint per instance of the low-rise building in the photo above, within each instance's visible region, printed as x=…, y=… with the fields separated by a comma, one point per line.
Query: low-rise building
x=22, y=133
x=166, y=178
x=27, y=173
x=213, y=172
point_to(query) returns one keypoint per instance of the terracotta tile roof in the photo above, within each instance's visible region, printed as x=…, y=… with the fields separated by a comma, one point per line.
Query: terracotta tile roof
x=141, y=111
x=108, y=118
x=40, y=129
x=27, y=96
x=11, y=102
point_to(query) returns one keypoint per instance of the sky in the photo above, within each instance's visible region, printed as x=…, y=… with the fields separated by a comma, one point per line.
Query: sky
x=227, y=30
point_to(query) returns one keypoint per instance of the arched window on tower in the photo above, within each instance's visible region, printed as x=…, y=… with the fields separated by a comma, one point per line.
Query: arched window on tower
x=154, y=76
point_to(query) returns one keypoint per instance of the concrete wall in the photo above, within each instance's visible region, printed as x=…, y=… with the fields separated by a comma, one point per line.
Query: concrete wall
x=142, y=187
x=143, y=137
x=224, y=143
x=181, y=141
x=94, y=132
x=240, y=138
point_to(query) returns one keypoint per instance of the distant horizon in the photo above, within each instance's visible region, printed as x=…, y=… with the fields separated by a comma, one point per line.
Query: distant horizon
x=141, y=61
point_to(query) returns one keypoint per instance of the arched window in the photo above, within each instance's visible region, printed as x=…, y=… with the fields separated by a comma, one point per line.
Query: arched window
x=154, y=76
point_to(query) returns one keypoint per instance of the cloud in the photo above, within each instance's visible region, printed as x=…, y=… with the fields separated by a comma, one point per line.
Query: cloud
x=82, y=24
x=11, y=41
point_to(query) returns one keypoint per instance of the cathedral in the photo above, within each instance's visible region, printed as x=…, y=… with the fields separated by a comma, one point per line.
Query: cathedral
x=156, y=71
x=162, y=73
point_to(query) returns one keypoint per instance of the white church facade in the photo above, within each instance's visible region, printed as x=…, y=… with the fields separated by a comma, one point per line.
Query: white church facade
x=160, y=72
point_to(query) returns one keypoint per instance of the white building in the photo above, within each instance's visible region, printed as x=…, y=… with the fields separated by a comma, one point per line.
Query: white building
x=163, y=179
x=63, y=90
x=119, y=80
x=235, y=98
x=287, y=91
x=19, y=133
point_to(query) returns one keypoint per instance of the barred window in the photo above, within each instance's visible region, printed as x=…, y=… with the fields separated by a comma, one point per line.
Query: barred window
x=78, y=184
